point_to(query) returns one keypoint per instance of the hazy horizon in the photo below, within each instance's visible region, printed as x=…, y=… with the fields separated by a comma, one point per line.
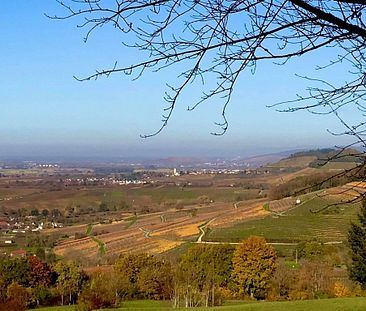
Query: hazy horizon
x=95, y=153
x=45, y=111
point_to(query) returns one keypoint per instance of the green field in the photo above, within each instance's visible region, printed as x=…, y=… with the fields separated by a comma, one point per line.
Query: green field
x=298, y=224
x=339, y=304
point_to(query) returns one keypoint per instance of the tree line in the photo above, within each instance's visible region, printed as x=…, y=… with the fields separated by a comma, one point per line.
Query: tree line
x=205, y=275
x=28, y=282
x=202, y=276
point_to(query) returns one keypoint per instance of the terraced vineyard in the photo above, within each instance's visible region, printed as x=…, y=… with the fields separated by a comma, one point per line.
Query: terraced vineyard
x=315, y=217
x=153, y=233
x=318, y=217
x=279, y=206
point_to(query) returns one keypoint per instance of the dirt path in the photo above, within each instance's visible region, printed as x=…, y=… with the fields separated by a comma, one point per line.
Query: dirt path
x=202, y=229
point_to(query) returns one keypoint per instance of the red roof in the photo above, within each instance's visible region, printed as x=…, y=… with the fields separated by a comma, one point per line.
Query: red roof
x=18, y=252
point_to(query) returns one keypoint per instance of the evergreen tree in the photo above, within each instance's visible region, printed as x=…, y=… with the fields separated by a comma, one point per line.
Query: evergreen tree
x=357, y=243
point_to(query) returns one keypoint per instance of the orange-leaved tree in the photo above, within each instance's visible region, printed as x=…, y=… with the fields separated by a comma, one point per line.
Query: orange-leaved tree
x=254, y=263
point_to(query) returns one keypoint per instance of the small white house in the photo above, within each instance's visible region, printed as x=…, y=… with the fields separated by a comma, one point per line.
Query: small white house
x=298, y=201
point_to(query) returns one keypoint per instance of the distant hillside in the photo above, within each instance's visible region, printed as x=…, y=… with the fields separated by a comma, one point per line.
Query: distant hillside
x=318, y=153
x=334, y=158
x=326, y=158
x=265, y=159
x=294, y=162
x=253, y=161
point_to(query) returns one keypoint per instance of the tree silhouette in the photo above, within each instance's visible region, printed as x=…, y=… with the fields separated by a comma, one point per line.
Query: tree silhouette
x=223, y=38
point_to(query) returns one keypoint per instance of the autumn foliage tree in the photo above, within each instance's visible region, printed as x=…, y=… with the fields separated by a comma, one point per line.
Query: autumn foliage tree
x=202, y=272
x=314, y=280
x=144, y=276
x=156, y=280
x=40, y=272
x=282, y=283
x=15, y=270
x=128, y=268
x=70, y=280
x=18, y=297
x=254, y=263
x=98, y=293
x=41, y=277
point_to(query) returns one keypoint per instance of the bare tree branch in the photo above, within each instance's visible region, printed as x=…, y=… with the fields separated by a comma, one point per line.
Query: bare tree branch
x=226, y=38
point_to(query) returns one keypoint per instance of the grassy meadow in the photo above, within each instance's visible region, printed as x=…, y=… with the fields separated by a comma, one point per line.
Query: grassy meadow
x=337, y=304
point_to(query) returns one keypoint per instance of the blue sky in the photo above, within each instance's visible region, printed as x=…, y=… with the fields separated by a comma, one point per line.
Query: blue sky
x=45, y=111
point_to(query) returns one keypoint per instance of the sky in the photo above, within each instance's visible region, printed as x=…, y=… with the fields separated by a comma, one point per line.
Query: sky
x=45, y=111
